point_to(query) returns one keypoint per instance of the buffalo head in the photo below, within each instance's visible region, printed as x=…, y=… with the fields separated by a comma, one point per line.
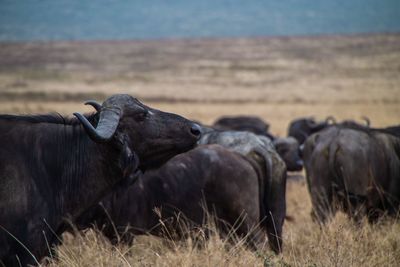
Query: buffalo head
x=301, y=128
x=153, y=135
x=246, y=123
x=288, y=149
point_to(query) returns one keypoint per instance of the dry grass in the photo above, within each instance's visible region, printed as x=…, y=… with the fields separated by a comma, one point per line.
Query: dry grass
x=92, y=249
x=340, y=243
x=276, y=78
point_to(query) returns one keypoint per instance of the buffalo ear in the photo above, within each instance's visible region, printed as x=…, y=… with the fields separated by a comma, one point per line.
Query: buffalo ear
x=130, y=170
x=129, y=163
x=128, y=160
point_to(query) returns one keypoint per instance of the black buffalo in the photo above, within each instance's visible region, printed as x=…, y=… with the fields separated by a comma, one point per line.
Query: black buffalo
x=251, y=124
x=208, y=178
x=353, y=168
x=302, y=128
x=289, y=150
x=53, y=167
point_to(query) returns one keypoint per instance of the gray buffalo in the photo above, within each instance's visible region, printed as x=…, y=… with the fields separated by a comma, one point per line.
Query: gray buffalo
x=288, y=148
x=261, y=150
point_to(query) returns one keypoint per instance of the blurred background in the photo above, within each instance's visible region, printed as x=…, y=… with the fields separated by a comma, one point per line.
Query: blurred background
x=204, y=59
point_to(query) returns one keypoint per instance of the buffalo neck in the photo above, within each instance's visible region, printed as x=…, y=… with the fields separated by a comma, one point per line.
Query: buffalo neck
x=85, y=171
x=69, y=170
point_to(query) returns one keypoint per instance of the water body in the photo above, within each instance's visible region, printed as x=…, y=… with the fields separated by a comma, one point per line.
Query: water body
x=22, y=20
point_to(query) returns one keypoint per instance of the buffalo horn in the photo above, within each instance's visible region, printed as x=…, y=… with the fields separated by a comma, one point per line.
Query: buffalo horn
x=367, y=121
x=94, y=104
x=108, y=123
x=330, y=119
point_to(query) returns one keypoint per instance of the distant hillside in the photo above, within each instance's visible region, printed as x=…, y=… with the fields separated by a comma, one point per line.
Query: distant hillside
x=301, y=69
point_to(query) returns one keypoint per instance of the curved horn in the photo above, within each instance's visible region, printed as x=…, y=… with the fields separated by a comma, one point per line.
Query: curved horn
x=108, y=123
x=330, y=119
x=367, y=121
x=94, y=104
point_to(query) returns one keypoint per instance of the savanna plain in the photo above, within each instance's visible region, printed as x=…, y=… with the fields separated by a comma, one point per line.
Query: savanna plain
x=278, y=79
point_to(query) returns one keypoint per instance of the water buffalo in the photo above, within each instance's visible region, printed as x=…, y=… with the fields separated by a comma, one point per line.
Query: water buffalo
x=53, y=167
x=301, y=128
x=353, y=168
x=260, y=149
x=208, y=178
x=289, y=150
x=251, y=124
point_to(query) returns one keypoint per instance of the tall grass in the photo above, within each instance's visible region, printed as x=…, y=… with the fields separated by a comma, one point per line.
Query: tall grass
x=91, y=248
x=340, y=242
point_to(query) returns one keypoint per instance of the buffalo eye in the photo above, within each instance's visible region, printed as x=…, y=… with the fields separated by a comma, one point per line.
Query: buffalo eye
x=141, y=116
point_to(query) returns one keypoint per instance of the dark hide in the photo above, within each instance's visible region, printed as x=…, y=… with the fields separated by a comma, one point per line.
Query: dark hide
x=208, y=178
x=51, y=167
x=251, y=124
x=393, y=130
x=355, y=166
x=261, y=150
x=288, y=149
x=301, y=128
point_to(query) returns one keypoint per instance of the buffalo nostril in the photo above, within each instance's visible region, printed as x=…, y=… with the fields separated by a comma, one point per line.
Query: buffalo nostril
x=195, y=130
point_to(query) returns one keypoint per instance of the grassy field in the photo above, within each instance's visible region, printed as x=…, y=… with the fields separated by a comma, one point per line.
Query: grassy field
x=339, y=243
x=278, y=79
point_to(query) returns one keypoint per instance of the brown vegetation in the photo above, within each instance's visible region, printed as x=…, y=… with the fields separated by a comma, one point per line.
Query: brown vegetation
x=340, y=243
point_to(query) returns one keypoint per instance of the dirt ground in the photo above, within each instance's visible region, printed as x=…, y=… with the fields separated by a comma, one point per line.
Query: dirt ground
x=276, y=78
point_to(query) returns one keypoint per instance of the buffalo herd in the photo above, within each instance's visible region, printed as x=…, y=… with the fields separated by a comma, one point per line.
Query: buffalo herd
x=129, y=169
